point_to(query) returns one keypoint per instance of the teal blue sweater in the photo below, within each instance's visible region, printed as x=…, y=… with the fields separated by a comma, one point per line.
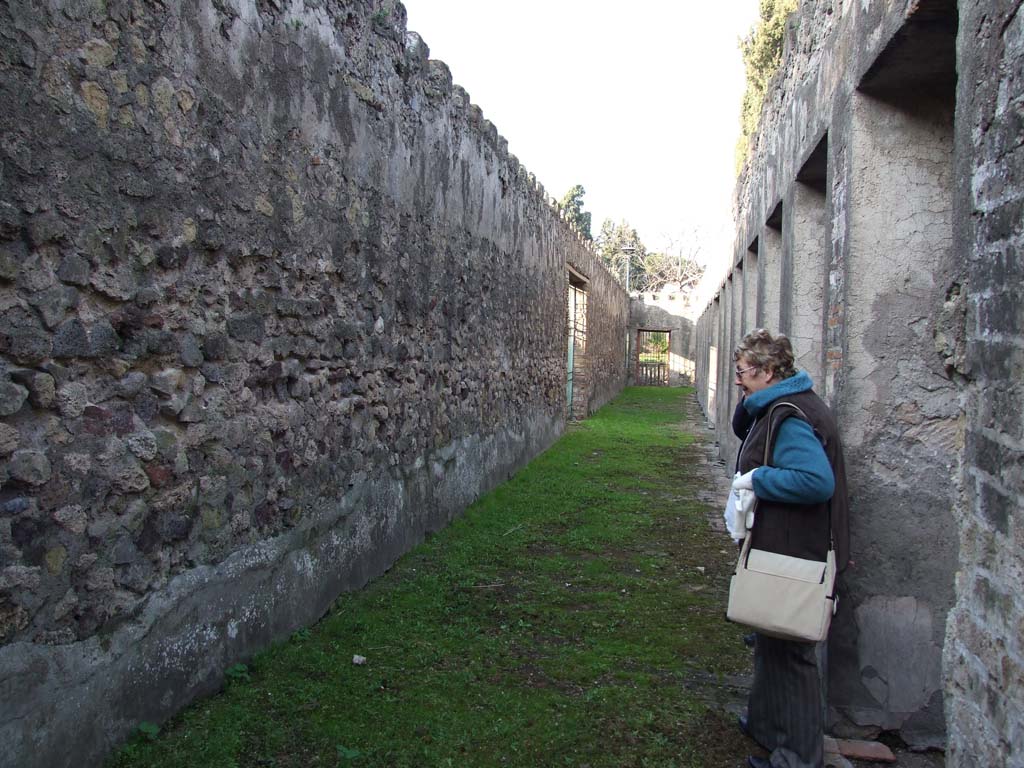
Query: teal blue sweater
x=800, y=472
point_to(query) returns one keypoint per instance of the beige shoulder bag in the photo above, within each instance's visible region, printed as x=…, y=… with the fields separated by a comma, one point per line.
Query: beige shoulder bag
x=778, y=595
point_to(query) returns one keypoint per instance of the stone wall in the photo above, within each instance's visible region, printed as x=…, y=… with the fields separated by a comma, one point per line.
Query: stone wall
x=276, y=302
x=666, y=310
x=600, y=366
x=853, y=234
x=984, y=654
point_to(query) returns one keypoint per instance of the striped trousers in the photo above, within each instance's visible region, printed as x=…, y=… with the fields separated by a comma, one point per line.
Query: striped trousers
x=784, y=712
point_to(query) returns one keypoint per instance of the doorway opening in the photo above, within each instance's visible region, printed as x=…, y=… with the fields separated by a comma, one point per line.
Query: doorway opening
x=575, y=384
x=652, y=358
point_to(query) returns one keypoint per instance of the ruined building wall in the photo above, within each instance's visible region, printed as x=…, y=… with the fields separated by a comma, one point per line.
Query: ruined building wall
x=984, y=654
x=600, y=367
x=850, y=236
x=666, y=310
x=276, y=302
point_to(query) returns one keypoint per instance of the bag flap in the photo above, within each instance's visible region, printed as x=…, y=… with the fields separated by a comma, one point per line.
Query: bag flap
x=772, y=563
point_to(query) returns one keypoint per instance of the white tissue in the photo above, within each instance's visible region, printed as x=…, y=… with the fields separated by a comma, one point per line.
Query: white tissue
x=739, y=512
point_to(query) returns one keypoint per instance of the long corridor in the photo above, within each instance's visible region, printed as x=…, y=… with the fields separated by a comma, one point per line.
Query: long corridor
x=573, y=616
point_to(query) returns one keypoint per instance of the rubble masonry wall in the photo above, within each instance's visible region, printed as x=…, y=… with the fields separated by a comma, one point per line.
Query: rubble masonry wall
x=275, y=302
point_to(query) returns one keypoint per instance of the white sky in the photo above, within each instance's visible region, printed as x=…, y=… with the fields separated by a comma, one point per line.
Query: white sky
x=638, y=102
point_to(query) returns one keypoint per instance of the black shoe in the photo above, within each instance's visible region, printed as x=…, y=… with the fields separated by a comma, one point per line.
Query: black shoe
x=744, y=725
x=758, y=762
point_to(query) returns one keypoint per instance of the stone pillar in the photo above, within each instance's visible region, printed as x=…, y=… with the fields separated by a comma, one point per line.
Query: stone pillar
x=750, y=288
x=727, y=391
x=899, y=415
x=808, y=291
x=711, y=362
x=770, y=282
x=724, y=344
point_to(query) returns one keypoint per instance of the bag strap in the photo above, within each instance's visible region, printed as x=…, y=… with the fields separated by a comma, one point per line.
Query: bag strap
x=769, y=447
x=768, y=441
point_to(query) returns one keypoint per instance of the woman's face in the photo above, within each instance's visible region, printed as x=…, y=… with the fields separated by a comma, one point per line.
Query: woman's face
x=752, y=379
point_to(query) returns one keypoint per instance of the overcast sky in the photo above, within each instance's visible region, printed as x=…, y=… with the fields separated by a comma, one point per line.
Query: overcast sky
x=638, y=102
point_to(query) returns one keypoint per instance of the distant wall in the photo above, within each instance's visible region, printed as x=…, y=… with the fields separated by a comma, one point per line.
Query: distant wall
x=276, y=302
x=666, y=310
x=846, y=242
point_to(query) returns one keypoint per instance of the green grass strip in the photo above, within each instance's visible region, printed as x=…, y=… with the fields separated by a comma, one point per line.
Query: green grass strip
x=573, y=616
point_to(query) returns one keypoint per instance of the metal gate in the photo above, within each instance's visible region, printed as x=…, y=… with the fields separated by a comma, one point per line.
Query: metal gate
x=652, y=358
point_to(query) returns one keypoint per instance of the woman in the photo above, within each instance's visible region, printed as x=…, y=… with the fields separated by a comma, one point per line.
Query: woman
x=801, y=507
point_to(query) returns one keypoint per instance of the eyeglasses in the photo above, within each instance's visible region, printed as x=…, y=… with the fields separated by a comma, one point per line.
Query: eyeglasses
x=741, y=371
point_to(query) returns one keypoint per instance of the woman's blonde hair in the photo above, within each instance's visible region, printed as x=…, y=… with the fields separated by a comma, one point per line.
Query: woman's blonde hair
x=767, y=352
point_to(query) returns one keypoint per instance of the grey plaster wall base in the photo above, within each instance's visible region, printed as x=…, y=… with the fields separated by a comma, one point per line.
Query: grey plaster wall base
x=69, y=705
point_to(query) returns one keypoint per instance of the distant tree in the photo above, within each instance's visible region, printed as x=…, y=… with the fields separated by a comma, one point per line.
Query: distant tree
x=678, y=264
x=662, y=269
x=572, y=204
x=622, y=251
x=762, y=55
x=659, y=343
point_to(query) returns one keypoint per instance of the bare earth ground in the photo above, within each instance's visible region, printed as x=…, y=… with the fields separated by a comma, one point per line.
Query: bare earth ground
x=731, y=692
